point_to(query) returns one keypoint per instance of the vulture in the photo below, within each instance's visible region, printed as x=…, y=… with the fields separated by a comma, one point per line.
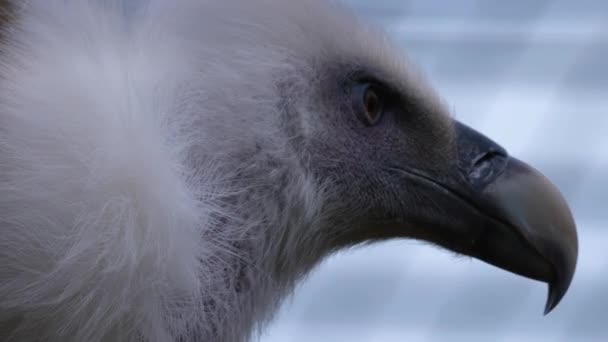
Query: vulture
x=169, y=170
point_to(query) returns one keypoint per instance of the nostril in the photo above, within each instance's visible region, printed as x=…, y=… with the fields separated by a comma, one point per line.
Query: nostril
x=486, y=166
x=487, y=157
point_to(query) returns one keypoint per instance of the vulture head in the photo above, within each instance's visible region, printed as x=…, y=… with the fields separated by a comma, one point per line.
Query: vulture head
x=170, y=169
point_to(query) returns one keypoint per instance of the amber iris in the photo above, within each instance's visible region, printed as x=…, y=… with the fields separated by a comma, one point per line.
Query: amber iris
x=373, y=105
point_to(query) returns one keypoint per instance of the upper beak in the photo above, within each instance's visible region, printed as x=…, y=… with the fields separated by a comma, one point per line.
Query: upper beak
x=536, y=236
x=502, y=211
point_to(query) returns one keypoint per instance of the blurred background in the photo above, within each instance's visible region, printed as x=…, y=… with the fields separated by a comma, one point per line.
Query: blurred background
x=533, y=75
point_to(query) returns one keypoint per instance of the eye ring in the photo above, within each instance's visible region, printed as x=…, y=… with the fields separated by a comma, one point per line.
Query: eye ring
x=369, y=103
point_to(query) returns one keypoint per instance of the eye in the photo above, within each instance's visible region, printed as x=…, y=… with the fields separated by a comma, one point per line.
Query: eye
x=368, y=103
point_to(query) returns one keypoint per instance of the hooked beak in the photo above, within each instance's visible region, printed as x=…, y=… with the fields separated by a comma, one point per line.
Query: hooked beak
x=500, y=210
x=536, y=236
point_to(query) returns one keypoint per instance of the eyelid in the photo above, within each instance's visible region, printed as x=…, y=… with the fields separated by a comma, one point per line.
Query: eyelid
x=360, y=77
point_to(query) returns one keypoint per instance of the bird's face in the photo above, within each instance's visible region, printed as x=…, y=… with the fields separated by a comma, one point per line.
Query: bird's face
x=394, y=164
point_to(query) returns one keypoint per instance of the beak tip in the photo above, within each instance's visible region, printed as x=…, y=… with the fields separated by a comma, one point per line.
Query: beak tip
x=565, y=255
x=552, y=300
x=557, y=290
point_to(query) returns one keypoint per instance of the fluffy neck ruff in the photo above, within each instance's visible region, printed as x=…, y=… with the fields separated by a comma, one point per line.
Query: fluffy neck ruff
x=139, y=202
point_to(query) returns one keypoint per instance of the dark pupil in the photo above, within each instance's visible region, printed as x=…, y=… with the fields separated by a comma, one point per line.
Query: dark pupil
x=371, y=104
